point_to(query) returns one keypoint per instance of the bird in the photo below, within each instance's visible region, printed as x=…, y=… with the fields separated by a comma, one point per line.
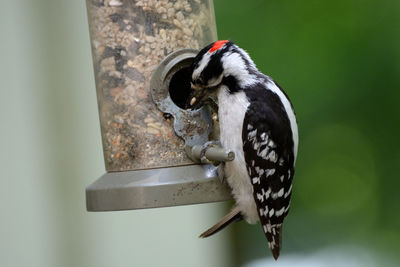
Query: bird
x=258, y=122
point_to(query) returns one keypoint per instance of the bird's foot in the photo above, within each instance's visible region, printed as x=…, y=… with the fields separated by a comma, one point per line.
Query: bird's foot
x=221, y=172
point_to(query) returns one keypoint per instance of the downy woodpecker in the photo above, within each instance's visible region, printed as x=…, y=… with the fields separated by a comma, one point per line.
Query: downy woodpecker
x=258, y=122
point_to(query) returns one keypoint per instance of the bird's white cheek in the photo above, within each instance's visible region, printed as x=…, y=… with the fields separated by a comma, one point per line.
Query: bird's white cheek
x=215, y=81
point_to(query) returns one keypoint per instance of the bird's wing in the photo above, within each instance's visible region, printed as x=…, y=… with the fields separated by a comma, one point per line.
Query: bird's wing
x=269, y=164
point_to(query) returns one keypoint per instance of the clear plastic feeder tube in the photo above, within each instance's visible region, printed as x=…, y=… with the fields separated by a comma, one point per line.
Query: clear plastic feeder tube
x=129, y=39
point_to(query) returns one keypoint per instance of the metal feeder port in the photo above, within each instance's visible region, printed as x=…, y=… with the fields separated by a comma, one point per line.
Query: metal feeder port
x=151, y=143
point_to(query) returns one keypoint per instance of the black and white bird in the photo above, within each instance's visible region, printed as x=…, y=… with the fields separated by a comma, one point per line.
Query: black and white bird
x=258, y=122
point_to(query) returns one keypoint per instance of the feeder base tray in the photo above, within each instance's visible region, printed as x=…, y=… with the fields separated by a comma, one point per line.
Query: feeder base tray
x=154, y=188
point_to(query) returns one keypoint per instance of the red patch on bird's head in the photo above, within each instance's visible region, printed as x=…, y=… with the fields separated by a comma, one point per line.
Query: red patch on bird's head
x=217, y=45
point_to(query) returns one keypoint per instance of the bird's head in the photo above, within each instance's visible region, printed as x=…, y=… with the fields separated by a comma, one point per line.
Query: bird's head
x=221, y=62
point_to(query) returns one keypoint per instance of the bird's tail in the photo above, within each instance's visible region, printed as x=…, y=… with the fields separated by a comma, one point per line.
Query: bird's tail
x=274, y=237
x=233, y=216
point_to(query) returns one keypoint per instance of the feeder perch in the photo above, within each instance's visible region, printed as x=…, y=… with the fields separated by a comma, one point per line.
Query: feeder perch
x=142, y=51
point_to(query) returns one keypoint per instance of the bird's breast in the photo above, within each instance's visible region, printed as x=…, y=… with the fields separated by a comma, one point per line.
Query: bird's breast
x=231, y=111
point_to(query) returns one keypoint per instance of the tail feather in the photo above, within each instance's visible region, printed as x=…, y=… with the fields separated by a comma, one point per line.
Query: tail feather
x=274, y=237
x=233, y=216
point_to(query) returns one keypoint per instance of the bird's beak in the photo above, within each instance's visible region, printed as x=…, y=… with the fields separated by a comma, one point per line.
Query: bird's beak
x=196, y=98
x=192, y=101
x=200, y=95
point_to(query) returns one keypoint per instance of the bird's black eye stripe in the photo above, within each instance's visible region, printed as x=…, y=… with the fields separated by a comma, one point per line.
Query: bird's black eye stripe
x=198, y=81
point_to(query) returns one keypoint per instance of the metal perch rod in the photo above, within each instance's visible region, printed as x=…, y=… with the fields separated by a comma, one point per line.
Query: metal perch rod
x=212, y=153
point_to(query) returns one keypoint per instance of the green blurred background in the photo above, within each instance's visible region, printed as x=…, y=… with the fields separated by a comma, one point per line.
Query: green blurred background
x=339, y=62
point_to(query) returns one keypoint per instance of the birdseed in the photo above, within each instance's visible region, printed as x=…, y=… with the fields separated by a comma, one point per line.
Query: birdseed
x=129, y=38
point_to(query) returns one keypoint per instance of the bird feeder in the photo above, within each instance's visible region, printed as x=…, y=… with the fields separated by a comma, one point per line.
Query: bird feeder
x=142, y=51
